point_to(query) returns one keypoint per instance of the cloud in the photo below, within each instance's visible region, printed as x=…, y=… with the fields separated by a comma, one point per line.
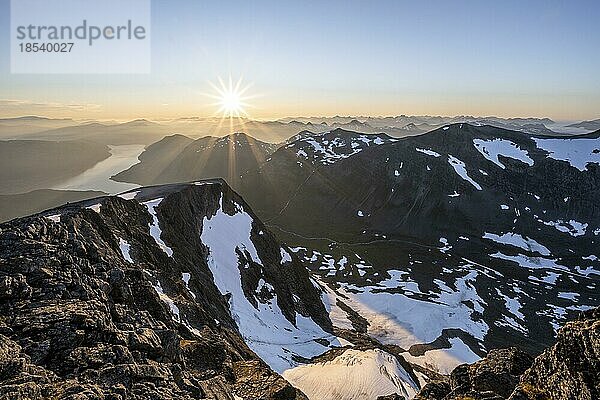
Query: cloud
x=26, y=107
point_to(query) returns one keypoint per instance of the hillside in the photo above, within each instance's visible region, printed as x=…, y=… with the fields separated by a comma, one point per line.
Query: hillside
x=179, y=159
x=27, y=165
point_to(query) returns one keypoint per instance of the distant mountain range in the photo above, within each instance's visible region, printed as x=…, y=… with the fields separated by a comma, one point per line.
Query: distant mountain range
x=19, y=126
x=143, y=131
x=590, y=125
x=133, y=132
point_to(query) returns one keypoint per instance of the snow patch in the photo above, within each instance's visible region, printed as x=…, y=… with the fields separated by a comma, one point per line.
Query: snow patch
x=491, y=149
x=265, y=329
x=532, y=262
x=445, y=360
x=129, y=195
x=461, y=170
x=355, y=374
x=577, y=152
x=428, y=152
x=285, y=256
x=572, y=227
x=95, y=207
x=125, y=247
x=53, y=217
x=185, y=276
x=155, y=227
x=167, y=300
x=516, y=240
x=568, y=296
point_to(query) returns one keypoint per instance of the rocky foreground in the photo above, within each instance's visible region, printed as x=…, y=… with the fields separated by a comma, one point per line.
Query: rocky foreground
x=92, y=306
x=568, y=370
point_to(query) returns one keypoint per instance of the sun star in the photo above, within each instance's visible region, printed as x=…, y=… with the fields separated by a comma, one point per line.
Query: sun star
x=230, y=98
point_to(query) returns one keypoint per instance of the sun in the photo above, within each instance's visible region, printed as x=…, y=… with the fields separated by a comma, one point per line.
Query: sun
x=231, y=98
x=231, y=104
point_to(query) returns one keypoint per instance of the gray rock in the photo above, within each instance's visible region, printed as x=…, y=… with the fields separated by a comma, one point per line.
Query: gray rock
x=78, y=321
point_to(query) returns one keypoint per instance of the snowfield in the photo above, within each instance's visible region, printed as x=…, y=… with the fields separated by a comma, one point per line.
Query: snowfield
x=404, y=321
x=572, y=227
x=577, y=152
x=353, y=375
x=491, y=149
x=516, y=240
x=265, y=329
x=329, y=151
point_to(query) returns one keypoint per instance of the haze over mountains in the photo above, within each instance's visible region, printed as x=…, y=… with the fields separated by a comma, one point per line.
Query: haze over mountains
x=589, y=125
x=143, y=131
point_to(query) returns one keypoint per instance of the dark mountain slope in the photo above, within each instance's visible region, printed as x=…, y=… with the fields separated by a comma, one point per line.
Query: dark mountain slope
x=154, y=160
x=508, y=221
x=26, y=165
x=170, y=160
x=368, y=182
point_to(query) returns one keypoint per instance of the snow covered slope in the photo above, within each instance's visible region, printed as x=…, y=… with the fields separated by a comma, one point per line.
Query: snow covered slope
x=353, y=375
x=431, y=223
x=277, y=340
x=330, y=147
x=170, y=287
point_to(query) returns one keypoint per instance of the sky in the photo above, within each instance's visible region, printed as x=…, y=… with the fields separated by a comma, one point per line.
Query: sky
x=325, y=58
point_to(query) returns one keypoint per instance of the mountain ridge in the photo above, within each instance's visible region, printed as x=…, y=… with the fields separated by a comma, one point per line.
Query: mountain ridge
x=115, y=304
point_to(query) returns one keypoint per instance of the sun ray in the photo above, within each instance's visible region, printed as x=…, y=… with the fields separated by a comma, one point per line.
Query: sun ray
x=231, y=103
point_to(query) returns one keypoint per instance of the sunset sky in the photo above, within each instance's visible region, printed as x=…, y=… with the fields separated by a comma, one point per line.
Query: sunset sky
x=321, y=58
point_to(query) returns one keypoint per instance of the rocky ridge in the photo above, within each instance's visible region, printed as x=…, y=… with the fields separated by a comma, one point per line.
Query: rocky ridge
x=96, y=305
x=569, y=370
